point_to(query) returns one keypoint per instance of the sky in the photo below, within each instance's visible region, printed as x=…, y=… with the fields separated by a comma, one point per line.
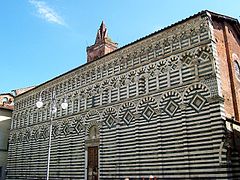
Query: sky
x=42, y=39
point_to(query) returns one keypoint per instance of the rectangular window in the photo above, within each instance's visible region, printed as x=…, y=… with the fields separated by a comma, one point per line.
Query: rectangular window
x=75, y=106
x=93, y=101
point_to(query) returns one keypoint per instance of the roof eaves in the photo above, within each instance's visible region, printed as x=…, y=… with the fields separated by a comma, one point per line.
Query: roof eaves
x=6, y=108
x=4, y=94
x=220, y=16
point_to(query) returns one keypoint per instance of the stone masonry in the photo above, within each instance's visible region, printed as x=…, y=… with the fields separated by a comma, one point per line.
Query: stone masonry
x=158, y=106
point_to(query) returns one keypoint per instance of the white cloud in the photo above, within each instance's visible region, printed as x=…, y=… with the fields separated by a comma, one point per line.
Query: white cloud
x=47, y=13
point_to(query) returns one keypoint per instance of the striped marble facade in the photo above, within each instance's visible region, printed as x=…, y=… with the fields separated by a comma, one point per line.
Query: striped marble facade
x=155, y=104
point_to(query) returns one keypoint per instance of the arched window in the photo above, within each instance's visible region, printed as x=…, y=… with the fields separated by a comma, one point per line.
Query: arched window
x=93, y=132
x=237, y=69
x=142, y=85
x=4, y=100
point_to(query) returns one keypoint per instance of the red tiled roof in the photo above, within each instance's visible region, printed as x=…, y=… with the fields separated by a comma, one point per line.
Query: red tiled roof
x=9, y=107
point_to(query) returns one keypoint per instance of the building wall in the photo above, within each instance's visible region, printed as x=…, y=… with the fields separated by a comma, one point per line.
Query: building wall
x=5, y=121
x=228, y=48
x=156, y=105
x=227, y=43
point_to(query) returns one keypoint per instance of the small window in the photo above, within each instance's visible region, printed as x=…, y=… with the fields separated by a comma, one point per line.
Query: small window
x=237, y=69
x=93, y=132
x=4, y=100
x=93, y=101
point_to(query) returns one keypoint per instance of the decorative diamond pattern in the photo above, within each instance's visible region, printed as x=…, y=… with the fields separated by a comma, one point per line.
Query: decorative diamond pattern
x=36, y=134
x=163, y=69
x=110, y=121
x=188, y=61
x=66, y=129
x=78, y=127
x=204, y=56
x=45, y=132
x=128, y=117
x=171, y=108
x=27, y=135
x=174, y=66
x=55, y=130
x=20, y=137
x=148, y=113
x=13, y=138
x=197, y=102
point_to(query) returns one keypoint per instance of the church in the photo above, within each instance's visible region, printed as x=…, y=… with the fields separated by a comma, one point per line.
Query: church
x=165, y=106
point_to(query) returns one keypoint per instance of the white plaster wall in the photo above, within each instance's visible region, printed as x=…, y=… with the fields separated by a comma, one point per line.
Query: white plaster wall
x=5, y=122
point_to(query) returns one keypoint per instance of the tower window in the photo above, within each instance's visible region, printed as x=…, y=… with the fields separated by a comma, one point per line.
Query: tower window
x=4, y=100
x=237, y=69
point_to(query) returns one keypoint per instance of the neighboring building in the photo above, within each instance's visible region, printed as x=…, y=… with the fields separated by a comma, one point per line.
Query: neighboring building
x=17, y=92
x=6, y=108
x=166, y=105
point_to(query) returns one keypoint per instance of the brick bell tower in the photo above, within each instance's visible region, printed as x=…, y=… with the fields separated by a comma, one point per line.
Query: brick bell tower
x=103, y=45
